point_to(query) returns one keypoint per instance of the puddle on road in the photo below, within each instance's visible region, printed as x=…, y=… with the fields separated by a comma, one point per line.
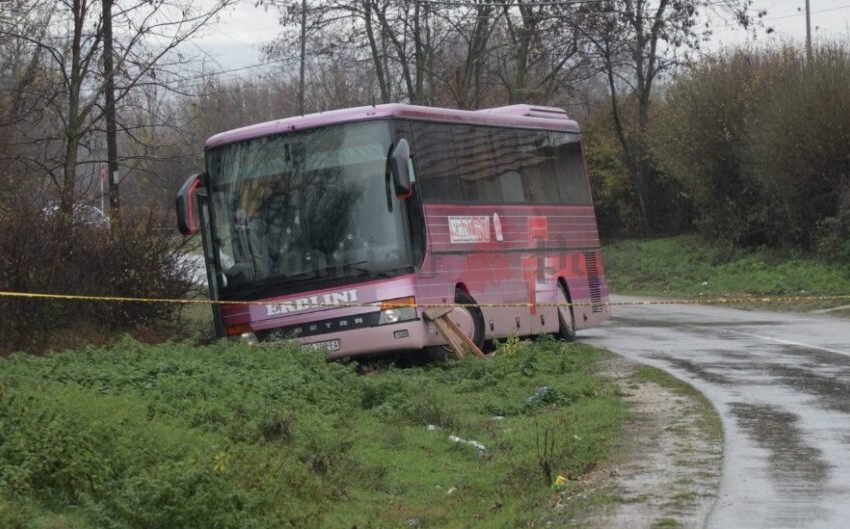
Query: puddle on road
x=732, y=355
x=831, y=393
x=816, y=356
x=793, y=465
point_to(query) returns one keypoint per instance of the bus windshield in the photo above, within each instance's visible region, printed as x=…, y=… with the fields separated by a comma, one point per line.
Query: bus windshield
x=311, y=205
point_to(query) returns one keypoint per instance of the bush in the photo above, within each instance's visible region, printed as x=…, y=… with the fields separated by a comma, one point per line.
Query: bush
x=42, y=253
x=617, y=209
x=701, y=141
x=799, y=150
x=137, y=436
x=758, y=138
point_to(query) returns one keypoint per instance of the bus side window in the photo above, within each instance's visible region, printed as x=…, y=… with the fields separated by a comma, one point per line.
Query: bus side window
x=572, y=179
x=436, y=163
x=540, y=178
x=511, y=184
x=477, y=165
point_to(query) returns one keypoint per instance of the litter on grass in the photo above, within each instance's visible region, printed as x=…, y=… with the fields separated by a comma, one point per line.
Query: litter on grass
x=470, y=442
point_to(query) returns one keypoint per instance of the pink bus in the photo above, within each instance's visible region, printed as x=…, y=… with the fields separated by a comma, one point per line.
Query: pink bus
x=339, y=228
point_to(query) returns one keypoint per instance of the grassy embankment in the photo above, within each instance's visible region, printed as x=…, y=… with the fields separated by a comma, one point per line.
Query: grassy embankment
x=233, y=436
x=690, y=267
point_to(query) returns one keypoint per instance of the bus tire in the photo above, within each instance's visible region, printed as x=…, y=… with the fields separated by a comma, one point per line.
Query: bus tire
x=462, y=298
x=440, y=353
x=566, y=320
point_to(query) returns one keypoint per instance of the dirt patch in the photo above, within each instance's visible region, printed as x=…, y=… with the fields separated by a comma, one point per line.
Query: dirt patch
x=668, y=472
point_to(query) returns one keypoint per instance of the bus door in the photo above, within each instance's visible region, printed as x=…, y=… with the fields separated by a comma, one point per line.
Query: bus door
x=209, y=256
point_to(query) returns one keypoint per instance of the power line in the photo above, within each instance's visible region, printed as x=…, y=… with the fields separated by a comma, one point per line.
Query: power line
x=508, y=3
x=792, y=15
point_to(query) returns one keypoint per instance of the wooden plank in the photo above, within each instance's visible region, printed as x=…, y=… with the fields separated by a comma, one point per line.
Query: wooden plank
x=451, y=339
x=455, y=338
x=434, y=313
x=466, y=339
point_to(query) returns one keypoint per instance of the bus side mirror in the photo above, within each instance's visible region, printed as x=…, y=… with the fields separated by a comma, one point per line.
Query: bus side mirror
x=400, y=169
x=187, y=206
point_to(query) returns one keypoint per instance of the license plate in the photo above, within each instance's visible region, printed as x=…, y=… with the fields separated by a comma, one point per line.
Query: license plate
x=330, y=345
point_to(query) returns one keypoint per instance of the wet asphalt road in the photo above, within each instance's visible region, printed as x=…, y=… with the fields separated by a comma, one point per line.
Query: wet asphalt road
x=781, y=383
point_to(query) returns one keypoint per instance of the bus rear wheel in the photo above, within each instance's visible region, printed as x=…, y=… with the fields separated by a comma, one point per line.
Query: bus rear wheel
x=469, y=318
x=566, y=321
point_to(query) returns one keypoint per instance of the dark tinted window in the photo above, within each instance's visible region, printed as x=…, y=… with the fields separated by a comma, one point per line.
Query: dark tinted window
x=435, y=157
x=572, y=178
x=462, y=163
x=478, y=171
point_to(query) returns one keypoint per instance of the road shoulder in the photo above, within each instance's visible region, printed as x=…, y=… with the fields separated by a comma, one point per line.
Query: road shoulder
x=668, y=469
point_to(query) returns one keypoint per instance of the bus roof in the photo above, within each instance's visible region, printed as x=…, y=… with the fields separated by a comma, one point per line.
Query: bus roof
x=521, y=116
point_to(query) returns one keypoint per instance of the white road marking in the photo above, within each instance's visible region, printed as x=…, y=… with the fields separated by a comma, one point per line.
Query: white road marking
x=799, y=344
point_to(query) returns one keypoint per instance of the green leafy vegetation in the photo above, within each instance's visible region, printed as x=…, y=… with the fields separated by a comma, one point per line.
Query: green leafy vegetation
x=690, y=266
x=271, y=436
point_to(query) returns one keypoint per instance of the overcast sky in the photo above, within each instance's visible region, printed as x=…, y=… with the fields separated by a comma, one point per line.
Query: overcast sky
x=234, y=42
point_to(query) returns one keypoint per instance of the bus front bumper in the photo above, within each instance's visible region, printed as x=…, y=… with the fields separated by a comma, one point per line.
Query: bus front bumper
x=413, y=334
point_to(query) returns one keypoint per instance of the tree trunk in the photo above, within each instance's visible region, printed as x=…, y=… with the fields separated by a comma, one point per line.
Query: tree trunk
x=519, y=91
x=109, y=96
x=377, y=59
x=72, y=132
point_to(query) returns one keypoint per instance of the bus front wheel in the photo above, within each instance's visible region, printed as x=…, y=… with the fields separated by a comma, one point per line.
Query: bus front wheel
x=469, y=319
x=471, y=307
x=566, y=322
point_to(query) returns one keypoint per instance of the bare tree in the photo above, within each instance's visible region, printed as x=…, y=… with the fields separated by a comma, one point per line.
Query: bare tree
x=27, y=88
x=70, y=50
x=539, y=52
x=635, y=42
x=464, y=52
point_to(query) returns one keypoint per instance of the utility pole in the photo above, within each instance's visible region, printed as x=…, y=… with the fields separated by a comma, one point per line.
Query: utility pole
x=111, y=142
x=808, y=33
x=303, y=58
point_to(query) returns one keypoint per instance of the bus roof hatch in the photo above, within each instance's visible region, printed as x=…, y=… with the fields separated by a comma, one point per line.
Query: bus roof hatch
x=532, y=111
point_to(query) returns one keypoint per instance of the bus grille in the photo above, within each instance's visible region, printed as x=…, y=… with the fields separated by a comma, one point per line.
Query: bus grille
x=593, y=282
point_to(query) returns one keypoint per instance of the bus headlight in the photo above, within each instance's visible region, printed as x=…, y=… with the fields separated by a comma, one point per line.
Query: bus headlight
x=397, y=310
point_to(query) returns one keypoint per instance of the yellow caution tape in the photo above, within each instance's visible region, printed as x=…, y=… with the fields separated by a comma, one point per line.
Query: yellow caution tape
x=740, y=300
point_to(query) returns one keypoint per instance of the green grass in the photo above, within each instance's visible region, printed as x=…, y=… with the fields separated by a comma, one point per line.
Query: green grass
x=270, y=436
x=688, y=266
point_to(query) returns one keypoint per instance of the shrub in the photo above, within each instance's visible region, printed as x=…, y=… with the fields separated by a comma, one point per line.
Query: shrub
x=617, y=210
x=64, y=447
x=758, y=139
x=43, y=253
x=615, y=197
x=799, y=148
x=116, y=437
x=701, y=141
